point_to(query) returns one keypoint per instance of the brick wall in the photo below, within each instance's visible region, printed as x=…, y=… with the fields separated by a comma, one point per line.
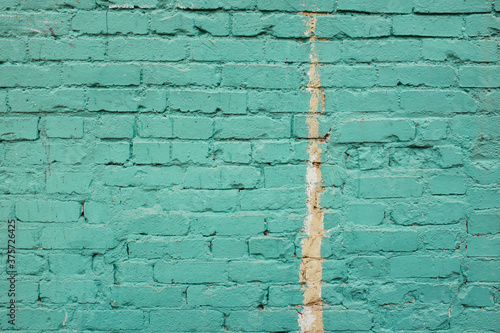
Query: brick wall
x=157, y=155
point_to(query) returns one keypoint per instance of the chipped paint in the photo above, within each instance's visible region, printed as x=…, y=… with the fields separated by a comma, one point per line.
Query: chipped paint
x=311, y=268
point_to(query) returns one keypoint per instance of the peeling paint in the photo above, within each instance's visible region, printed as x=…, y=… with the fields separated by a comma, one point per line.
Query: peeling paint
x=311, y=317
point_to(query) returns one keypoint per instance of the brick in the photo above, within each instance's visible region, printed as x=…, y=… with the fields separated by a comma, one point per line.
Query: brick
x=223, y=177
x=186, y=320
x=365, y=101
x=68, y=182
x=387, y=187
x=187, y=248
x=347, y=319
x=69, y=291
x=483, y=198
x=133, y=271
x=380, y=241
x=482, y=270
x=112, y=153
x=444, y=212
x=263, y=321
x=270, y=101
x=285, y=176
x=30, y=76
x=77, y=238
x=377, y=6
x=48, y=4
x=368, y=267
x=41, y=319
x=146, y=176
x=19, y=128
x=461, y=50
x=109, y=319
x=36, y=100
x=17, y=50
x=64, y=127
x=365, y=214
x=476, y=296
x=126, y=100
x=433, y=76
x=479, y=76
x=115, y=127
x=376, y=131
x=215, y=4
x=101, y=75
x=224, y=297
x=186, y=152
x=181, y=74
x=227, y=50
x=453, y=6
x=424, y=266
x=192, y=127
x=278, y=25
x=441, y=239
x=190, y=272
x=229, y=248
x=481, y=223
x=152, y=49
x=478, y=319
x=380, y=50
x=481, y=246
x=146, y=296
x=269, y=247
x=272, y=199
x=448, y=184
x=147, y=152
x=229, y=224
x=437, y=101
x=154, y=221
x=216, y=24
x=78, y=48
x=48, y=211
x=229, y=102
x=155, y=127
x=96, y=212
x=92, y=22
x=289, y=51
x=34, y=24
x=272, y=152
x=259, y=76
x=262, y=271
x=481, y=25
x=431, y=26
x=294, y=6
x=200, y=200
x=254, y=127
x=286, y=295
x=347, y=76
x=352, y=26
x=233, y=152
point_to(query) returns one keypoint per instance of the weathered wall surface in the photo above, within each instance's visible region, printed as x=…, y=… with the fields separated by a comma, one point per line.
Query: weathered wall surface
x=251, y=165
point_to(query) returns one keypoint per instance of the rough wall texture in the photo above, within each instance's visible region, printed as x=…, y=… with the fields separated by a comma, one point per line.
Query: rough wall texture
x=224, y=165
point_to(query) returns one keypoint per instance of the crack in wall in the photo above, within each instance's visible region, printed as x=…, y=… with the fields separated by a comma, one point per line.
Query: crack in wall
x=311, y=267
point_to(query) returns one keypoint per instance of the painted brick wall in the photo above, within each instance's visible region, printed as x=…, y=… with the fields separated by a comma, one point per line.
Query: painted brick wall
x=251, y=165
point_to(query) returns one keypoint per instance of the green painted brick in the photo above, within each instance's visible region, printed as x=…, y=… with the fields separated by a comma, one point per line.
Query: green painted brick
x=69, y=291
x=441, y=239
x=181, y=74
x=228, y=224
x=478, y=319
x=201, y=200
x=352, y=26
x=254, y=127
x=133, y=271
x=208, y=101
x=484, y=223
x=37, y=319
x=79, y=48
x=147, y=176
x=261, y=76
x=223, y=177
x=34, y=24
x=30, y=76
x=365, y=101
x=190, y=152
x=115, y=127
x=233, y=152
x=278, y=102
x=285, y=176
x=93, y=22
x=47, y=4
x=77, y=238
x=377, y=6
x=112, y=153
x=151, y=49
x=272, y=152
x=287, y=51
x=101, y=75
x=69, y=264
x=64, y=127
x=295, y=6
x=48, y=211
x=154, y=221
x=482, y=270
x=380, y=50
x=109, y=319
x=477, y=50
x=266, y=320
x=439, y=212
x=154, y=127
x=224, y=297
x=147, y=152
x=36, y=100
x=347, y=76
x=19, y=128
x=126, y=100
x=376, y=131
x=186, y=320
x=192, y=127
x=262, y=271
x=438, y=26
x=453, y=6
x=348, y=319
x=481, y=25
x=380, y=241
x=190, y=272
x=226, y=50
x=479, y=76
x=482, y=246
x=448, y=184
x=364, y=214
x=68, y=182
x=17, y=50
x=146, y=296
x=287, y=295
x=270, y=247
x=434, y=76
x=368, y=267
x=187, y=248
x=424, y=266
x=389, y=187
x=189, y=23
x=437, y=101
x=484, y=198
x=229, y=248
x=272, y=199
x=476, y=296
